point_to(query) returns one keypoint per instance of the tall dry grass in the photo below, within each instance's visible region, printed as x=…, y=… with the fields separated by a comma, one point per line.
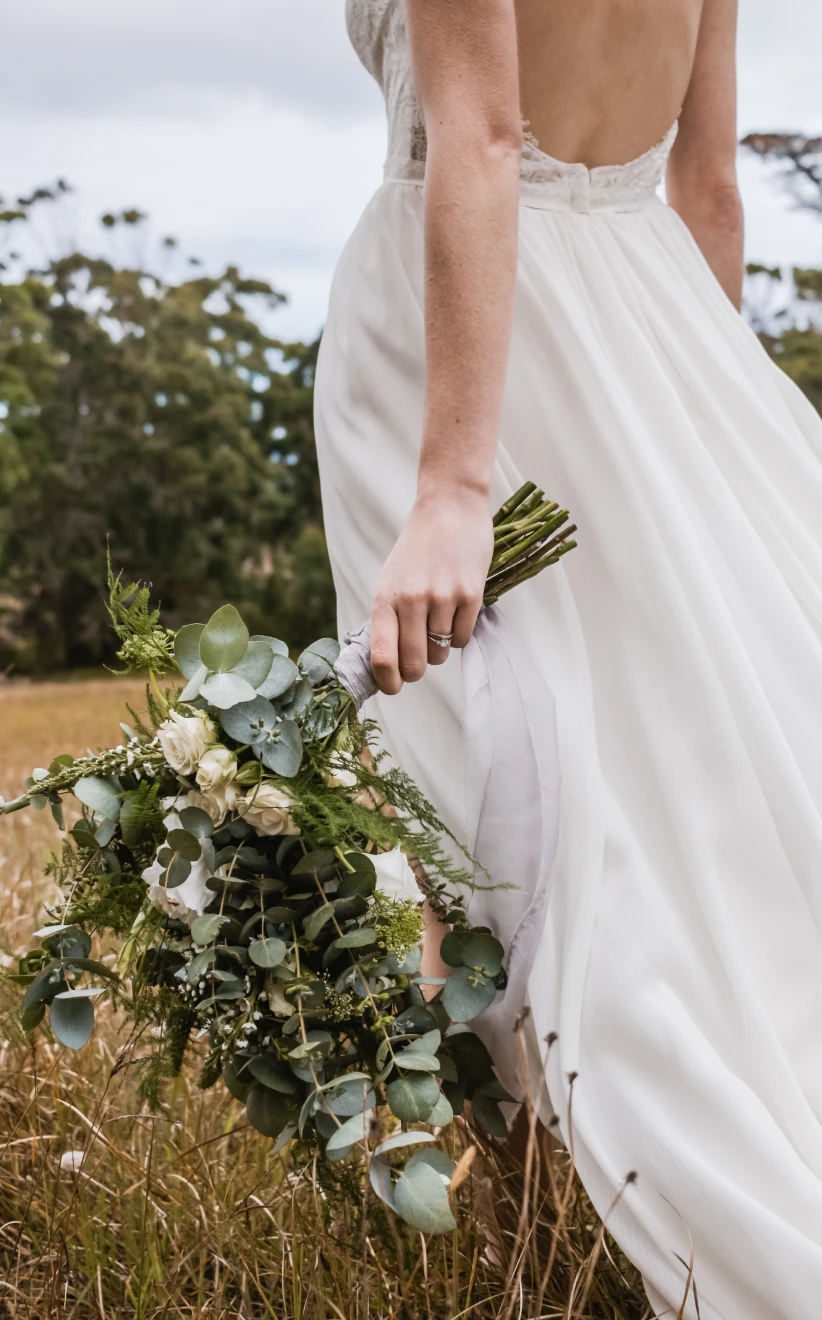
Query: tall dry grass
x=109, y=1211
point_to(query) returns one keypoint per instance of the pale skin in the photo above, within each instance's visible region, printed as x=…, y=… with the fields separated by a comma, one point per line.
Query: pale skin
x=598, y=81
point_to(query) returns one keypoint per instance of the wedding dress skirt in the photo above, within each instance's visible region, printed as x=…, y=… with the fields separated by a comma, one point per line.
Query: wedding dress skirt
x=680, y=962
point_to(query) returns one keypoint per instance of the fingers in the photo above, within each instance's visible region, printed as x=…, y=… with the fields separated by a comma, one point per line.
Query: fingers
x=440, y=620
x=465, y=620
x=412, y=612
x=385, y=633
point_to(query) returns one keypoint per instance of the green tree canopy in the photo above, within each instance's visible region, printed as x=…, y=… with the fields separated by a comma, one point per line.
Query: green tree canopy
x=161, y=417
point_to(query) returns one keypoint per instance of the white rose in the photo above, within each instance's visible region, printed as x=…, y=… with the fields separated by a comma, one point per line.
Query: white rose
x=216, y=803
x=186, y=901
x=395, y=877
x=267, y=810
x=185, y=739
x=217, y=766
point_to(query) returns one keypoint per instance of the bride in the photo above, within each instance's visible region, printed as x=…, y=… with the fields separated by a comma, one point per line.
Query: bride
x=521, y=304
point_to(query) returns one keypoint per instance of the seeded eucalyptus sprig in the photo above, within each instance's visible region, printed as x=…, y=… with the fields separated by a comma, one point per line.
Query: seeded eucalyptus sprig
x=530, y=533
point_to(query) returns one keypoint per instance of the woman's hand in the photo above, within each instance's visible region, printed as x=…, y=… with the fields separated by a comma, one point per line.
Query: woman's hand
x=433, y=581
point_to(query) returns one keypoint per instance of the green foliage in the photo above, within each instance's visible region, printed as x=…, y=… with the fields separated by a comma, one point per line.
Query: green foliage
x=144, y=644
x=162, y=417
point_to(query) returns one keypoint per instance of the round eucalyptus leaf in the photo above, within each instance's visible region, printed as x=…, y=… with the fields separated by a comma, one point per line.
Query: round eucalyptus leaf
x=415, y=1019
x=421, y=1198
x=467, y=994
x=278, y=647
x=255, y=664
x=382, y=1181
x=72, y=1020
x=453, y=946
x=351, y=1098
x=442, y=1114
x=236, y=1087
x=268, y=1111
x=185, y=845
x=317, y=1044
x=267, y=953
x=488, y=1114
x=32, y=1017
x=187, y=649
x=284, y=755
x=194, y=686
x=297, y=699
x=314, y=863
x=224, y=640
x=199, y=965
x=267, y=1070
x=102, y=795
x=226, y=690
x=206, y=928
x=435, y=1159
x=178, y=872
x=197, y=822
x=318, y=659
x=417, y=1061
x=288, y=1133
x=411, y=1099
x=400, y=1139
x=484, y=951
x=282, y=673
x=48, y=982
x=349, y=1133
x=249, y=720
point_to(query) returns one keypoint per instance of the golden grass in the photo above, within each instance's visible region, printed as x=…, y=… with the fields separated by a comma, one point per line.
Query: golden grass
x=186, y=1213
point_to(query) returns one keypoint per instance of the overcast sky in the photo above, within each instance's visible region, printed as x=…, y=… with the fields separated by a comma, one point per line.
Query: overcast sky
x=248, y=129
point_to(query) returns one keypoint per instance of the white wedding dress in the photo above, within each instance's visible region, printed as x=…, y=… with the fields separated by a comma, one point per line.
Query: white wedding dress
x=681, y=960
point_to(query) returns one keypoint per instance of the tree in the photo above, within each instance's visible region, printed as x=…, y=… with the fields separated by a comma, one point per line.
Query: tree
x=162, y=418
x=792, y=336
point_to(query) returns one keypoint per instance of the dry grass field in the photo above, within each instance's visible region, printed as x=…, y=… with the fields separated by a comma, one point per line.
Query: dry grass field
x=109, y=1211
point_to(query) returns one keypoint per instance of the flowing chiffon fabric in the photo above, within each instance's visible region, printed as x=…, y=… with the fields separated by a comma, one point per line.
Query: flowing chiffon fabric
x=680, y=959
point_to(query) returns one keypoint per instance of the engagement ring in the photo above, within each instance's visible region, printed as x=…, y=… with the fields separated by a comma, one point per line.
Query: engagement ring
x=441, y=639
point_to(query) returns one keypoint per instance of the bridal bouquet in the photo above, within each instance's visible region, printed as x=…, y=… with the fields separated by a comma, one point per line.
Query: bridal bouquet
x=247, y=852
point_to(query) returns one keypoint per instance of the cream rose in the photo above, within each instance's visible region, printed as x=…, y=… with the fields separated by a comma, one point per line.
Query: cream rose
x=217, y=802
x=185, y=740
x=267, y=810
x=217, y=767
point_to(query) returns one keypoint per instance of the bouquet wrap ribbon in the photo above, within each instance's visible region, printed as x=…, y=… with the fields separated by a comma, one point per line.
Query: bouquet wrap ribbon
x=512, y=791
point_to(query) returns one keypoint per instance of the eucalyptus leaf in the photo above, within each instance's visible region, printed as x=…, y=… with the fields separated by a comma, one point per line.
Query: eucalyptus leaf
x=179, y=870
x=315, y=920
x=453, y=947
x=268, y=952
x=349, y=1133
x=227, y=690
x=194, y=686
x=102, y=795
x=72, y=1020
x=411, y=1099
x=382, y=1181
x=356, y=939
x=278, y=647
x=421, y=1198
x=236, y=1086
x=32, y=1016
x=318, y=659
x=196, y=822
x=264, y=1068
x=416, y=1061
x=268, y=1111
x=224, y=640
x=281, y=674
x=284, y=755
x=199, y=965
x=398, y=1140
x=105, y=832
x=206, y=928
x=185, y=845
x=442, y=1114
x=467, y=994
x=484, y=951
x=255, y=664
x=187, y=649
x=488, y=1115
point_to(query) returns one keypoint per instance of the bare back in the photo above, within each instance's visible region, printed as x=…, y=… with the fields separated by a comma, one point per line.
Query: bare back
x=603, y=80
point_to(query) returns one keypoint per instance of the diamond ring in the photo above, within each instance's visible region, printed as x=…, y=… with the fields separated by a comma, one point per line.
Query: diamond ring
x=441, y=639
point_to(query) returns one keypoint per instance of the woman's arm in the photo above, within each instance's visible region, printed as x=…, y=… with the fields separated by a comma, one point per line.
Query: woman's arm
x=701, y=182
x=465, y=68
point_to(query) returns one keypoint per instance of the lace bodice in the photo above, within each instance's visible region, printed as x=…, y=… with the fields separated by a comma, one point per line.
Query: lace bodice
x=378, y=32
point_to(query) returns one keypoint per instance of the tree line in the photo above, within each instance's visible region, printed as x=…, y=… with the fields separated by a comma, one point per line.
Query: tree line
x=156, y=415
